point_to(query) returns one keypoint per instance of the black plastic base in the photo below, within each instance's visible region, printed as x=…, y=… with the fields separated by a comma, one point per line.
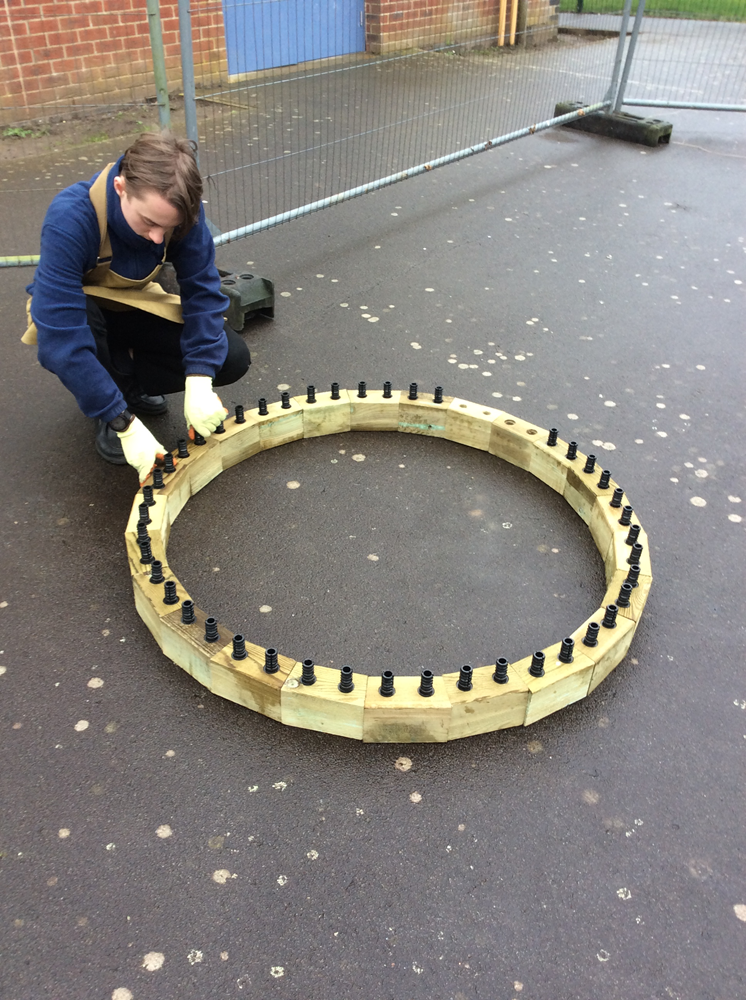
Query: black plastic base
x=248, y=294
x=618, y=125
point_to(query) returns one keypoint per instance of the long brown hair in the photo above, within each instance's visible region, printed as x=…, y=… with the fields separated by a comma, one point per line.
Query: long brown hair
x=162, y=162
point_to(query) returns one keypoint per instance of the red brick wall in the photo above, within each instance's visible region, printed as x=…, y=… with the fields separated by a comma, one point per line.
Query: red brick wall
x=96, y=51
x=401, y=24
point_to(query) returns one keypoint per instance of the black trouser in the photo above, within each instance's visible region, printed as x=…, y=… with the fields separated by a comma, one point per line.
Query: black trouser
x=156, y=366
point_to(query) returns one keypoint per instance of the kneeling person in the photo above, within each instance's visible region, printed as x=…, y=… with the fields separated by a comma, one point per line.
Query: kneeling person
x=113, y=336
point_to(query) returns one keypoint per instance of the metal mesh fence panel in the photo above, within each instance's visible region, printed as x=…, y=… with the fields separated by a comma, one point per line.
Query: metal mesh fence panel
x=357, y=99
x=688, y=53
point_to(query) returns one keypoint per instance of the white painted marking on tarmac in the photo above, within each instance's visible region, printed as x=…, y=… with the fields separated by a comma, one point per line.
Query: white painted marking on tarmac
x=221, y=876
x=292, y=484
x=609, y=402
x=277, y=971
x=415, y=346
x=358, y=458
x=122, y=993
x=282, y=880
x=63, y=833
x=415, y=797
x=735, y=518
x=698, y=501
x=403, y=763
x=153, y=961
x=80, y=726
x=265, y=609
x=164, y=831
x=283, y=386
x=701, y=473
x=95, y=682
x=194, y=957
x=740, y=911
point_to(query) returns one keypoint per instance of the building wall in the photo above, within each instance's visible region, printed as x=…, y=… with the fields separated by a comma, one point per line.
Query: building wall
x=95, y=51
x=403, y=24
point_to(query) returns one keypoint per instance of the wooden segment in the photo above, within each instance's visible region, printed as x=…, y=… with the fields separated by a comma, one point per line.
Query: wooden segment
x=149, y=601
x=619, y=552
x=326, y=415
x=422, y=415
x=561, y=685
x=246, y=682
x=280, y=426
x=488, y=706
x=638, y=597
x=407, y=717
x=158, y=515
x=239, y=441
x=186, y=646
x=581, y=489
x=178, y=485
x=612, y=645
x=208, y=463
x=513, y=439
x=374, y=413
x=604, y=524
x=470, y=423
x=549, y=464
x=321, y=706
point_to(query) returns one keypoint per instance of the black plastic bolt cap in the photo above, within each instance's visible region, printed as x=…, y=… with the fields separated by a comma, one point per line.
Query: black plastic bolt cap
x=387, y=390
x=362, y=390
x=211, y=629
x=188, y=616
x=263, y=411
x=220, y=429
x=308, y=677
x=335, y=390
x=147, y=495
x=636, y=554
x=199, y=440
x=626, y=518
x=311, y=394
x=537, y=665
x=170, y=465
x=625, y=593
x=590, y=464
x=632, y=576
x=183, y=451
x=142, y=531
x=572, y=451
x=345, y=680
x=610, y=616
x=426, y=689
x=239, y=647
x=156, y=572
x=616, y=500
x=566, y=650
x=387, y=689
x=633, y=534
x=438, y=394
x=552, y=439
x=240, y=417
x=464, y=678
x=591, y=634
x=412, y=390
x=271, y=666
x=285, y=405
x=157, y=479
x=500, y=675
x=603, y=483
x=146, y=554
x=144, y=513
x=169, y=592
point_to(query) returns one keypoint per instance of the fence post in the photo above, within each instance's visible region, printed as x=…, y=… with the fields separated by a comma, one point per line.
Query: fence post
x=187, y=72
x=630, y=55
x=159, y=63
x=611, y=92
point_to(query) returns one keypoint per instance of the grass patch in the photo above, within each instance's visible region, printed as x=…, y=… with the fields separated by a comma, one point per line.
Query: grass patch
x=703, y=10
x=21, y=132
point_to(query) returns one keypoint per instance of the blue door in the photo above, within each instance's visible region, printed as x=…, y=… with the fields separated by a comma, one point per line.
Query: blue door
x=260, y=34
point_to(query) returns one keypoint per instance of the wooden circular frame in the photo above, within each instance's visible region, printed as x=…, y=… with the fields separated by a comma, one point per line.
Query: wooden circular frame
x=364, y=714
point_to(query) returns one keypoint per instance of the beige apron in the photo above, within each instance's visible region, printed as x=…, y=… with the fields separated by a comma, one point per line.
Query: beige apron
x=110, y=289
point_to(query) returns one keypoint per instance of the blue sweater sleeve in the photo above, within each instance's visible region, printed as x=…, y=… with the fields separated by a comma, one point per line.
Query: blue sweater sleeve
x=69, y=247
x=204, y=344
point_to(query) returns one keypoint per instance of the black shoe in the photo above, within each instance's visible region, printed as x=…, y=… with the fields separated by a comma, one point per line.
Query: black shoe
x=145, y=406
x=108, y=445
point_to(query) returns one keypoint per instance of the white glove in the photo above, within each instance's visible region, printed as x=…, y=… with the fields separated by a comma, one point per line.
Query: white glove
x=202, y=407
x=140, y=448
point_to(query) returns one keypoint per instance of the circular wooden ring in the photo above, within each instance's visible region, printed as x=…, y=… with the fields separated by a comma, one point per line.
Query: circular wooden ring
x=274, y=685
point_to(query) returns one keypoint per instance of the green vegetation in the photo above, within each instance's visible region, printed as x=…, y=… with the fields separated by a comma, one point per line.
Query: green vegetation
x=19, y=132
x=98, y=137
x=705, y=10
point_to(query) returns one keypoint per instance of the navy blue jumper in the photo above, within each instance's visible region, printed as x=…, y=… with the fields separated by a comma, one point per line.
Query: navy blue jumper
x=70, y=242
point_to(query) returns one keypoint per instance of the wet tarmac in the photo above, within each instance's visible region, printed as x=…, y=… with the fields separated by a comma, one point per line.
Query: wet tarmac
x=157, y=842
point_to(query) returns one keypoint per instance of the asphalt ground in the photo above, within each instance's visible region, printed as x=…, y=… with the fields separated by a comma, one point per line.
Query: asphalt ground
x=158, y=842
